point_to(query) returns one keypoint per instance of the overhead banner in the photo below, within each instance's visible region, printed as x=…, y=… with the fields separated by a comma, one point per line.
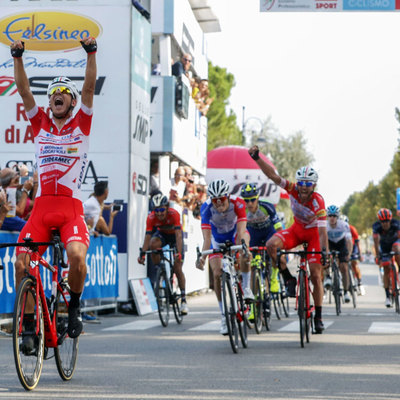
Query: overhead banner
x=101, y=279
x=329, y=5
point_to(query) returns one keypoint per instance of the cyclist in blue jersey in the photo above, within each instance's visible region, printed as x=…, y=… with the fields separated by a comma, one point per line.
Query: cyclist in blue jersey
x=223, y=218
x=386, y=236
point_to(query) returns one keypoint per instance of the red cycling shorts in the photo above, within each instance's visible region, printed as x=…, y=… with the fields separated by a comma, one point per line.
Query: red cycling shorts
x=296, y=235
x=60, y=212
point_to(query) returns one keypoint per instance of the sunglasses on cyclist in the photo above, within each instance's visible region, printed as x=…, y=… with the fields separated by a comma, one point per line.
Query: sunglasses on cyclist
x=251, y=199
x=159, y=210
x=305, y=183
x=331, y=215
x=219, y=200
x=62, y=89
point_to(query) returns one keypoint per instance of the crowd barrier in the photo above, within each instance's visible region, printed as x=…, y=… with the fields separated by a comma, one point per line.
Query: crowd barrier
x=102, y=271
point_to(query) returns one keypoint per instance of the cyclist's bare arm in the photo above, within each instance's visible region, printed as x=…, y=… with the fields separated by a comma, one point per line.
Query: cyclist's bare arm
x=89, y=83
x=241, y=230
x=206, y=246
x=265, y=167
x=145, y=247
x=323, y=237
x=21, y=79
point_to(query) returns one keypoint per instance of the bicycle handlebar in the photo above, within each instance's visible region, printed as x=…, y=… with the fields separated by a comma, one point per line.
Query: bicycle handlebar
x=223, y=249
x=301, y=253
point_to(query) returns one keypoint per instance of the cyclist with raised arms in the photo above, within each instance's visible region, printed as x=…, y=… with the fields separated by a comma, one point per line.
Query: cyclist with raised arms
x=262, y=222
x=386, y=236
x=62, y=144
x=339, y=237
x=355, y=256
x=309, y=227
x=163, y=227
x=223, y=218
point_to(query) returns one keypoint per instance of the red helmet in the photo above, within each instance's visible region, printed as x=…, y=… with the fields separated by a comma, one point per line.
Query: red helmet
x=384, y=214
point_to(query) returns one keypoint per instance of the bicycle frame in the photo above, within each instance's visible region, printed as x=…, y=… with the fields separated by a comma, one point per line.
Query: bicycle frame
x=51, y=339
x=303, y=266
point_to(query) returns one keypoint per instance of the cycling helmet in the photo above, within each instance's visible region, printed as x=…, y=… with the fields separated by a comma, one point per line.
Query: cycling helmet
x=345, y=218
x=307, y=174
x=218, y=188
x=63, y=81
x=159, y=200
x=333, y=210
x=249, y=190
x=384, y=214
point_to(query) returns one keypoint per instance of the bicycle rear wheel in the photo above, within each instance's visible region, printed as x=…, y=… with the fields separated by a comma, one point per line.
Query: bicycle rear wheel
x=395, y=289
x=176, y=305
x=162, y=296
x=28, y=346
x=307, y=307
x=301, y=306
x=66, y=352
x=352, y=286
x=283, y=297
x=336, y=291
x=241, y=315
x=258, y=300
x=229, y=302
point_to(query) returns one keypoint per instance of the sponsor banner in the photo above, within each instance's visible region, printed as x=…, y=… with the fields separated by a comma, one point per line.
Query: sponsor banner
x=102, y=270
x=269, y=191
x=143, y=295
x=328, y=5
x=139, y=162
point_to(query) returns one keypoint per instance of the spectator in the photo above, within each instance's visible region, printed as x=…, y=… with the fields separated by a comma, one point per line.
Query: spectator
x=154, y=178
x=190, y=189
x=29, y=186
x=200, y=197
x=4, y=206
x=10, y=180
x=182, y=67
x=93, y=209
x=204, y=100
x=177, y=190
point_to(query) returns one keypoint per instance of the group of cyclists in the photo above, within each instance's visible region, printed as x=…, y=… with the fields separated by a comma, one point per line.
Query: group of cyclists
x=224, y=217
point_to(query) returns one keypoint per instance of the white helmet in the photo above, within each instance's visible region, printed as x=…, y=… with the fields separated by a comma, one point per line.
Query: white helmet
x=345, y=218
x=307, y=174
x=66, y=82
x=159, y=200
x=218, y=188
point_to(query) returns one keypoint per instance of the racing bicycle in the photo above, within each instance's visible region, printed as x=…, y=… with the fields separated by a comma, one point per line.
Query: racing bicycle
x=165, y=289
x=41, y=322
x=387, y=260
x=304, y=307
x=235, y=308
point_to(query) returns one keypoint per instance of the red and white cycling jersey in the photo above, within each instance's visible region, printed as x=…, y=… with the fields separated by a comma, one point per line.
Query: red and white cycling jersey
x=310, y=214
x=61, y=156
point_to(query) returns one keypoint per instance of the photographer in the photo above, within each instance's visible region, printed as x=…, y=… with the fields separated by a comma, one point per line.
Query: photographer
x=93, y=208
x=10, y=181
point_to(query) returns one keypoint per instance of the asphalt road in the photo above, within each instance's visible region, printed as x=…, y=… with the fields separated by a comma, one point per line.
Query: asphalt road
x=131, y=357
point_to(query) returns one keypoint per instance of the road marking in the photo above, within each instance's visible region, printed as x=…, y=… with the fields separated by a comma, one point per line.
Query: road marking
x=209, y=326
x=294, y=326
x=135, y=326
x=384, y=327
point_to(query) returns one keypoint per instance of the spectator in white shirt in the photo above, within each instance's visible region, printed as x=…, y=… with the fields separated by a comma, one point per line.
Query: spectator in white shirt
x=177, y=190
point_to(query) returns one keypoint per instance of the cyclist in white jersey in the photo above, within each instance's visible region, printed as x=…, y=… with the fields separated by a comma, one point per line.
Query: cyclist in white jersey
x=339, y=237
x=61, y=153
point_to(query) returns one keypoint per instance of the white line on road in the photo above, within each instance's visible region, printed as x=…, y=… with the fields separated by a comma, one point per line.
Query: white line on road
x=135, y=326
x=384, y=327
x=294, y=326
x=209, y=326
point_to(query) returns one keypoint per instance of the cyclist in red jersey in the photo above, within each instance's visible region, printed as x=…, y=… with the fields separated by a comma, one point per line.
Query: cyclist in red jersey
x=309, y=227
x=163, y=226
x=61, y=154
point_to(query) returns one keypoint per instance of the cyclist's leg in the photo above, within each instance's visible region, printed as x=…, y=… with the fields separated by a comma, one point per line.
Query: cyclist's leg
x=245, y=267
x=396, y=249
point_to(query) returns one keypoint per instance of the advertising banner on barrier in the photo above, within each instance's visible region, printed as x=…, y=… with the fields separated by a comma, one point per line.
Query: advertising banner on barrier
x=102, y=270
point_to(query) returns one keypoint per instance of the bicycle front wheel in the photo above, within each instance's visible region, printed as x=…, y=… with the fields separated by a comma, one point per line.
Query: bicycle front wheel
x=395, y=289
x=301, y=306
x=28, y=334
x=162, y=296
x=352, y=286
x=258, y=300
x=66, y=352
x=336, y=291
x=241, y=315
x=176, y=305
x=229, y=302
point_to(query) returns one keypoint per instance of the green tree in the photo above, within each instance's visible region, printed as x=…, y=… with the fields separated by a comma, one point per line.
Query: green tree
x=222, y=127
